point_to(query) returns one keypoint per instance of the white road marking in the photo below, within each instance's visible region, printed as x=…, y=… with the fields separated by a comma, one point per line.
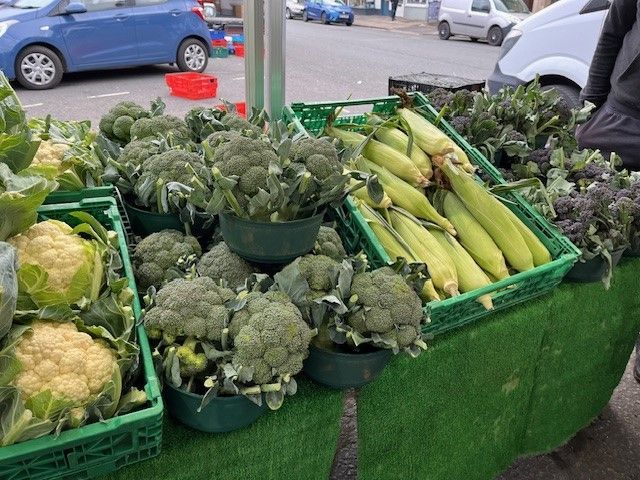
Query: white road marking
x=116, y=94
x=239, y=78
x=33, y=105
x=346, y=111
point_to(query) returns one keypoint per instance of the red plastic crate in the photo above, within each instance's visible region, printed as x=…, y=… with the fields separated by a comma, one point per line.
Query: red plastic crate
x=238, y=49
x=219, y=43
x=241, y=108
x=192, y=85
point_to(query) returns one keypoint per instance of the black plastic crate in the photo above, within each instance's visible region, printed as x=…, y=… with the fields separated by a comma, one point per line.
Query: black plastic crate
x=426, y=82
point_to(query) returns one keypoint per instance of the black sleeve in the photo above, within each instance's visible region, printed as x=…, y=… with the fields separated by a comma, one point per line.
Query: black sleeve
x=621, y=17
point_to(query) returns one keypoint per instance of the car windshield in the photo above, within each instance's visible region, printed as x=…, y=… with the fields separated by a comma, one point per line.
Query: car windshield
x=334, y=3
x=26, y=4
x=511, y=6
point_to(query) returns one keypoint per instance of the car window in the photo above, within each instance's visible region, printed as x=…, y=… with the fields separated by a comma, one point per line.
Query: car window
x=511, y=6
x=144, y=3
x=480, y=6
x=29, y=4
x=595, y=6
x=97, y=5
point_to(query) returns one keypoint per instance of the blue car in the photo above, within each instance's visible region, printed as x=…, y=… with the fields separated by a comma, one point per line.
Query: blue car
x=328, y=11
x=42, y=39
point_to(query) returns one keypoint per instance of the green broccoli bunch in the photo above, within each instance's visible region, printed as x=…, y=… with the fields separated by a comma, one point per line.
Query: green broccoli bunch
x=158, y=170
x=116, y=123
x=164, y=125
x=220, y=263
x=235, y=122
x=386, y=309
x=318, y=155
x=273, y=338
x=329, y=243
x=156, y=254
x=136, y=152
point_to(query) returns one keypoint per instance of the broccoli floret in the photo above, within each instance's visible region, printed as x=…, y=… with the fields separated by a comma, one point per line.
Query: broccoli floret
x=274, y=339
x=220, y=263
x=160, y=125
x=190, y=308
x=320, y=271
x=122, y=109
x=515, y=136
x=319, y=156
x=235, y=122
x=439, y=98
x=122, y=126
x=329, y=243
x=390, y=307
x=255, y=303
x=191, y=363
x=216, y=138
x=461, y=123
x=165, y=167
x=542, y=158
x=160, y=251
x=136, y=152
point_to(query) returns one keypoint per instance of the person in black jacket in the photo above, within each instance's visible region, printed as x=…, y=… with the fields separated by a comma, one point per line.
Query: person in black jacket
x=614, y=87
x=394, y=8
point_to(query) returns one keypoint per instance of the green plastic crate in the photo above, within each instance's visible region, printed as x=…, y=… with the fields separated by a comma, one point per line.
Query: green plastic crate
x=454, y=312
x=69, y=196
x=219, y=52
x=99, y=448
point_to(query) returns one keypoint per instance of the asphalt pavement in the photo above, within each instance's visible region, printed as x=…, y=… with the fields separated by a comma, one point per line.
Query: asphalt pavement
x=324, y=62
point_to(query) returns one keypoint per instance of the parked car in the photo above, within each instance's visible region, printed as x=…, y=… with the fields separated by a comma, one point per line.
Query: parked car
x=328, y=11
x=294, y=9
x=490, y=19
x=556, y=43
x=42, y=39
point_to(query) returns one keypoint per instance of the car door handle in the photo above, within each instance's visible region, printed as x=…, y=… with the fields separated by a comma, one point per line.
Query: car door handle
x=175, y=12
x=121, y=17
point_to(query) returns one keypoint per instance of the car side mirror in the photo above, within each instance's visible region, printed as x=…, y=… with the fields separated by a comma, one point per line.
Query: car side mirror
x=74, y=8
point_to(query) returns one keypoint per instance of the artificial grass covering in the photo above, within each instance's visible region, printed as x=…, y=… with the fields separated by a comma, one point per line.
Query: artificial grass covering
x=298, y=441
x=521, y=381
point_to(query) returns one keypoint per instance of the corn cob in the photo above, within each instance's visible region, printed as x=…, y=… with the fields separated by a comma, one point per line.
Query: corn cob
x=470, y=275
x=430, y=139
x=539, y=252
x=363, y=195
x=429, y=292
x=399, y=141
x=474, y=238
x=440, y=266
x=408, y=198
x=487, y=210
x=396, y=162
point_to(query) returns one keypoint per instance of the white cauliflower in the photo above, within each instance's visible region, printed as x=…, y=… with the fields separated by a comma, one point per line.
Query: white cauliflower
x=73, y=265
x=50, y=154
x=70, y=364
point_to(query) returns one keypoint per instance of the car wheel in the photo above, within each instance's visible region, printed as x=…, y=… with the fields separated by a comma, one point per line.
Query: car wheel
x=192, y=56
x=38, y=68
x=570, y=94
x=349, y=24
x=444, y=31
x=305, y=16
x=323, y=19
x=495, y=36
x=287, y=14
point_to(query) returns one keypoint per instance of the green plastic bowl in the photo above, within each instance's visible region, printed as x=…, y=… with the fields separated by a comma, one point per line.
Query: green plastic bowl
x=342, y=370
x=144, y=222
x=593, y=270
x=270, y=242
x=222, y=414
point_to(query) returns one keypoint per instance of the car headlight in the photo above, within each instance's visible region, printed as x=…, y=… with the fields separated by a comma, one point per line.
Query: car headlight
x=4, y=26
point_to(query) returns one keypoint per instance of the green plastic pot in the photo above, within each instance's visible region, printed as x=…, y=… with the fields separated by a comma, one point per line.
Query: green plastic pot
x=632, y=252
x=222, y=414
x=593, y=270
x=342, y=370
x=144, y=222
x=270, y=242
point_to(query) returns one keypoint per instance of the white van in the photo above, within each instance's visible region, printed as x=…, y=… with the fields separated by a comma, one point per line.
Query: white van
x=556, y=43
x=490, y=19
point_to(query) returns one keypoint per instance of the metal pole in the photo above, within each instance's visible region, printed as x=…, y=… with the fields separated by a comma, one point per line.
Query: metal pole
x=275, y=65
x=253, y=54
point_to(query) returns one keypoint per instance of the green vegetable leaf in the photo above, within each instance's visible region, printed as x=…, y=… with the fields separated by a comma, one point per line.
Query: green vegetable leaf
x=8, y=286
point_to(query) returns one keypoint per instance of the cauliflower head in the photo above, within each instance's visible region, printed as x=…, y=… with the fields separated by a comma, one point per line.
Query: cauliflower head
x=50, y=153
x=274, y=339
x=389, y=307
x=329, y=243
x=318, y=155
x=220, y=263
x=70, y=364
x=191, y=308
x=160, y=251
x=72, y=264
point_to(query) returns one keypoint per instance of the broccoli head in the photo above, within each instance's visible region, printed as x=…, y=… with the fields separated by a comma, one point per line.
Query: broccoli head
x=220, y=263
x=274, y=339
x=319, y=156
x=160, y=125
x=190, y=308
x=320, y=272
x=389, y=308
x=235, y=122
x=216, y=138
x=329, y=243
x=136, y=152
x=255, y=302
x=113, y=127
x=157, y=253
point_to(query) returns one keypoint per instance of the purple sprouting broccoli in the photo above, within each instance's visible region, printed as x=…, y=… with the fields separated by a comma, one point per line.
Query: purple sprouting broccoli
x=461, y=123
x=591, y=172
x=574, y=230
x=439, y=98
x=542, y=158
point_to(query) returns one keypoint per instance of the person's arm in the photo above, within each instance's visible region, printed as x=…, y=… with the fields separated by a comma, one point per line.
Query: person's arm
x=621, y=17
